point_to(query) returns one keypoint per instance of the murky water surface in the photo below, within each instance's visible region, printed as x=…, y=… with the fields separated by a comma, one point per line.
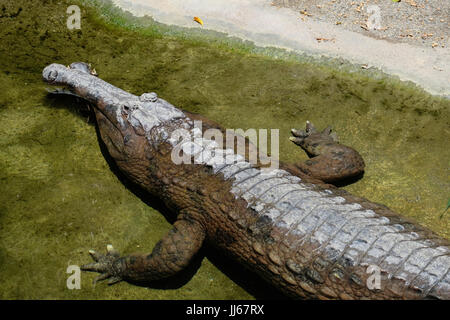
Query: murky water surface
x=59, y=197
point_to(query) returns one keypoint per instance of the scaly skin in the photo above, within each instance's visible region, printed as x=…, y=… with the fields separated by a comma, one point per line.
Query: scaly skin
x=289, y=225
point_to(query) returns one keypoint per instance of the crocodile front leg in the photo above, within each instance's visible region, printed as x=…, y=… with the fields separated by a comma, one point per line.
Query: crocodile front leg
x=169, y=256
x=329, y=161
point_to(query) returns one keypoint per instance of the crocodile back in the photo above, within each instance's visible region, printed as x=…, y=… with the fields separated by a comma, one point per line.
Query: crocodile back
x=323, y=224
x=344, y=232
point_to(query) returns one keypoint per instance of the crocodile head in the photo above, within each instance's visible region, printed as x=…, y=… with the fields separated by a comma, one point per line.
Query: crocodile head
x=125, y=121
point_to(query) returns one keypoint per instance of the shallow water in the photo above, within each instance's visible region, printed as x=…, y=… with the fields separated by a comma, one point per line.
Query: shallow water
x=59, y=196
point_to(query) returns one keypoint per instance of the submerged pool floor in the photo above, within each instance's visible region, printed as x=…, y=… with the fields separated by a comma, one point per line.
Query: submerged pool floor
x=59, y=197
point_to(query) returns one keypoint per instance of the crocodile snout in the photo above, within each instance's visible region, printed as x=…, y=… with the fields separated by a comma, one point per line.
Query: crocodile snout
x=51, y=73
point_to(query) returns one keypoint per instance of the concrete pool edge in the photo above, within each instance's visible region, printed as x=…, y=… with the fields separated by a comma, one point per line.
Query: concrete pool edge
x=427, y=68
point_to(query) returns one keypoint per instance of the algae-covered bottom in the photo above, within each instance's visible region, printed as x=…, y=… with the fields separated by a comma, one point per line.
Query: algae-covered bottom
x=59, y=196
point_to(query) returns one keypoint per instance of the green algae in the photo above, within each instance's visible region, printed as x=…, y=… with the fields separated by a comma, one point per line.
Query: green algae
x=60, y=197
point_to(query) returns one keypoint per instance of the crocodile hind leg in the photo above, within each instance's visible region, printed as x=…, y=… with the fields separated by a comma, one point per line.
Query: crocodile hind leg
x=169, y=256
x=329, y=161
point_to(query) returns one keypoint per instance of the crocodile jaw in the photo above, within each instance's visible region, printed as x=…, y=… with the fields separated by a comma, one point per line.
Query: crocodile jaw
x=121, y=108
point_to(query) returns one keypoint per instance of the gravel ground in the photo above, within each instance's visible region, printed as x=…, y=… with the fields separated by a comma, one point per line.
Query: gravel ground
x=417, y=22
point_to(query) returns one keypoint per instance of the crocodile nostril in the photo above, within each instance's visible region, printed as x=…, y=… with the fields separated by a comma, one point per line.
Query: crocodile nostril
x=52, y=75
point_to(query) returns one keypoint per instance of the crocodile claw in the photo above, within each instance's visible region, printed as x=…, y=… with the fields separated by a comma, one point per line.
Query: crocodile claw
x=312, y=140
x=300, y=135
x=108, y=265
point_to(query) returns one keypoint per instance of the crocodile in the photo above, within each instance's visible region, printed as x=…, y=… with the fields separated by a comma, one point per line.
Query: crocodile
x=290, y=223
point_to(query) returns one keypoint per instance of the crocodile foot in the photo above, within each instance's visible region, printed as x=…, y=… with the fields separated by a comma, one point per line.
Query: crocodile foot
x=311, y=140
x=109, y=265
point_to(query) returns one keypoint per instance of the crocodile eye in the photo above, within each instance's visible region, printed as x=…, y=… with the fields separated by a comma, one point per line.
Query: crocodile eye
x=129, y=107
x=149, y=97
x=125, y=110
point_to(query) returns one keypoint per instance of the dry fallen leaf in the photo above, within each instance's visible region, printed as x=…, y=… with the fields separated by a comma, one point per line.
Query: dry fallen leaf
x=305, y=13
x=411, y=3
x=364, y=27
x=426, y=35
x=325, y=39
x=198, y=20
